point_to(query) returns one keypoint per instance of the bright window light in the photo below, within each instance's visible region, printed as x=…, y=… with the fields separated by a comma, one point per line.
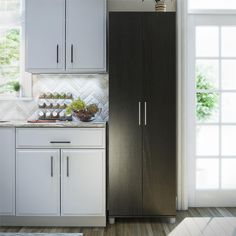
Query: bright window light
x=212, y=4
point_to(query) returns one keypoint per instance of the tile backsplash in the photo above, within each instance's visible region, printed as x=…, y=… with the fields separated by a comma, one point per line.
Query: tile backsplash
x=91, y=88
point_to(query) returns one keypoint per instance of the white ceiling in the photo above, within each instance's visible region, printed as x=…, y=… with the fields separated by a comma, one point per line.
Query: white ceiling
x=137, y=5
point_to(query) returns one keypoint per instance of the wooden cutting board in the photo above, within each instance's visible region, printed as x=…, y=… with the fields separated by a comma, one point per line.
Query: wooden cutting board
x=42, y=121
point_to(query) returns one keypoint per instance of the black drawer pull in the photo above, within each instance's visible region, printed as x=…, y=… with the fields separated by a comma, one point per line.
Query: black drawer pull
x=72, y=53
x=67, y=168
x=51, y=166
x=59, y=142
x=57, y=53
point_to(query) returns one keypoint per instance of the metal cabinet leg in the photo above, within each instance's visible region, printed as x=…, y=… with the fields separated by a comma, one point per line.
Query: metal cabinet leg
x=171, y=220
x=112, y=220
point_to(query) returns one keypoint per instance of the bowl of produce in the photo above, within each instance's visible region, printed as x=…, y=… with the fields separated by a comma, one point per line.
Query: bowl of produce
x=83, y=112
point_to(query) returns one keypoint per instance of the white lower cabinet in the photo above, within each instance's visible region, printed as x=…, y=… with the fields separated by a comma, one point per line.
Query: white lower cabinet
x=82, y=182
x=52, y=177
x=7, y=171
x=38, y=182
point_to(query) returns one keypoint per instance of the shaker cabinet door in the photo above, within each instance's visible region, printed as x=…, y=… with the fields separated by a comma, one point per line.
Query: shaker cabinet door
x=159, y=130
x=86, y=35
x=7, y=171
x=37, y=182
x=83, y=182
x=45, y=35
x=125, y=121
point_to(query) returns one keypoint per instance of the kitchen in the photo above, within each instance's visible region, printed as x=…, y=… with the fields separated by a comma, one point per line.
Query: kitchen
x=93, y=130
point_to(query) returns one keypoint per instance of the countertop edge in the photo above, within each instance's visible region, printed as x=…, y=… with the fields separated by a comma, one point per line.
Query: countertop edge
x=17, y=124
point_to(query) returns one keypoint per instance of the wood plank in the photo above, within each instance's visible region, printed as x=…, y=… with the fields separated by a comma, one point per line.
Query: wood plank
x=204, y=212
x=214, y=212
x=224, y=212
x=193, y=212
x=211, y=225
x=232, y=210
x=157, y=229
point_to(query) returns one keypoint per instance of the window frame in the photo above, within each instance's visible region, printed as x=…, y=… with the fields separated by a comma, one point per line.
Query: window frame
x=206, y=11
x=198, y=196
x=185, y=143
x=25, y=78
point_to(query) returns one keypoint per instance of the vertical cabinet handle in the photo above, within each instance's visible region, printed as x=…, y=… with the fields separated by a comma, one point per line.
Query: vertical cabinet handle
x=67, y=167
x=51, y=166
x=139, y=113
x=145, y=114
x=72, y=53
x=57, y=53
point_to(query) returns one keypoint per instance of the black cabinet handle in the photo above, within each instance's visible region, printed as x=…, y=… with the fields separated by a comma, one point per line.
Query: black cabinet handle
x=72, y=53
x=51, y=166
x=59, y=142
x=57, y=53
x=67, y=164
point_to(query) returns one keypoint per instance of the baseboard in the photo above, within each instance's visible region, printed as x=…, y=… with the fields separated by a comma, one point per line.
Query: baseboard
x=47, y=221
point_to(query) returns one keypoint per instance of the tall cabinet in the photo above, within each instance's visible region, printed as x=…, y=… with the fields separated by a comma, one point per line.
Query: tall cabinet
x=142, y=124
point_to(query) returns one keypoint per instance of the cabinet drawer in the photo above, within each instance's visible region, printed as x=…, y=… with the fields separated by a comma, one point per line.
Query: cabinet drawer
x=60, y=138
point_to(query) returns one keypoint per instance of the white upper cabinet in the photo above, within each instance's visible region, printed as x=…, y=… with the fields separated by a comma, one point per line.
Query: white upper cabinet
x=85, y=35
x=65, y=36
x=7, y=171
x=45, y=35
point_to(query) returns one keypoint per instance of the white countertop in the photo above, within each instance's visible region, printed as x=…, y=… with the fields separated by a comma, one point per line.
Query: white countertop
x=63, y=124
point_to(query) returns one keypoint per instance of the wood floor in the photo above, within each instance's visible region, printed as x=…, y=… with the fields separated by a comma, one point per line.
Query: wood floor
x=132, y=227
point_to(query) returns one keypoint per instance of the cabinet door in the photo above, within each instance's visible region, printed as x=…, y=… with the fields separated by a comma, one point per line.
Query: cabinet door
x=159, y=157
x=125, y=130
x=37, y=182
x=45, y=35
x=86, y=35
x=83, y=182
x=7, y=171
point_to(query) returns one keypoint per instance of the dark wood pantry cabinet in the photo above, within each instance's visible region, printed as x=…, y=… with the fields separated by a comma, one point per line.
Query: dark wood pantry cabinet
x=142, y=124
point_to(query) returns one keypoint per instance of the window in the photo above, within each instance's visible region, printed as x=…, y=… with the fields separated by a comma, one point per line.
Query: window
x=11, y=47
x=212, y=98
x=212, y=4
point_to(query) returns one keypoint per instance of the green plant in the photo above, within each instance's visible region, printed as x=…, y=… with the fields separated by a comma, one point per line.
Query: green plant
x=81, y=110
x=93, y=108
x=9, y=60
x=13, y=86
x=76, y=105
x=16, y=86
x=10, y=47
x=69, y=110
x=207, y=103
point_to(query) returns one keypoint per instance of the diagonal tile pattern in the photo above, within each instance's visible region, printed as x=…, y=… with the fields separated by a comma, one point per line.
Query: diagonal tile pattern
x=91, y=88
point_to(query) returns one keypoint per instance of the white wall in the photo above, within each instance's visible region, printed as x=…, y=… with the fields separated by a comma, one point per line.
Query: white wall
x=138, y=5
